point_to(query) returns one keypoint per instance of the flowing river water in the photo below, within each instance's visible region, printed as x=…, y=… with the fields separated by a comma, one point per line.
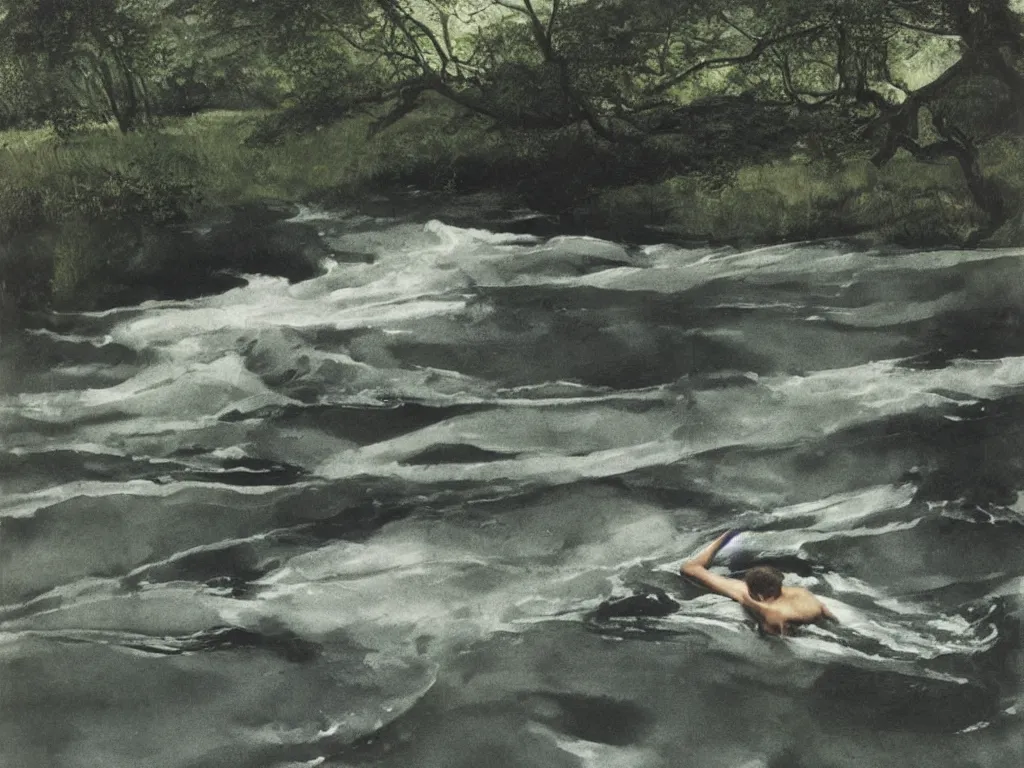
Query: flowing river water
x=370, y=518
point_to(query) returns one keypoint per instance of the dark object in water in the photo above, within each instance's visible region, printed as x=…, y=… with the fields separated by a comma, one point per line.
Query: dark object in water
x=277, y=640
x=599, y=719
x=647, y=600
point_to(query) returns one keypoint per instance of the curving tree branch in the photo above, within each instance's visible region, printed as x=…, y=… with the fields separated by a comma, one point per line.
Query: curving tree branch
x=761, y=47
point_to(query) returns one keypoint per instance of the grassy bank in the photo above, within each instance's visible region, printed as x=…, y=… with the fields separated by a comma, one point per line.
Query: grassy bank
x=64, y=204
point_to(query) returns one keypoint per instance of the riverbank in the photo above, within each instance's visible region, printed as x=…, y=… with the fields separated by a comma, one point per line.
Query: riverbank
x=83, y=219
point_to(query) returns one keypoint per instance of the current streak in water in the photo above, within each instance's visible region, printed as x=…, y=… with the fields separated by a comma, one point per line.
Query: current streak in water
x=369, y=519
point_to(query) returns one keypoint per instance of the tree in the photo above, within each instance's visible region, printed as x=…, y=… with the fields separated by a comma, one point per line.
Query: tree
x=631, y=70
x=87, y=56
x=978, y=93
x=124, y=60
x=984, y=76
x=623, y=72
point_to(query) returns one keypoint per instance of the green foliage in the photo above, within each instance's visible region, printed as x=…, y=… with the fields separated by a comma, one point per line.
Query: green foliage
x=72, y=62
x=54, y=183
x=86, y=58
x=983, y=107
x=66, y=208
x=748, y=119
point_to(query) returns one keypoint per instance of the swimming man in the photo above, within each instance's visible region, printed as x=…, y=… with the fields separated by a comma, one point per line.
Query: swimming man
x=760, y=591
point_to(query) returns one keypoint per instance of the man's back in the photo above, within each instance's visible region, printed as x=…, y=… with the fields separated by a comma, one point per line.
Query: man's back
x=794, y=606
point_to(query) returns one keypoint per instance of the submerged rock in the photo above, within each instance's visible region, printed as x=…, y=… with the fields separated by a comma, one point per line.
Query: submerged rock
x=157, y=263
x=260, y=239
x=647, y=600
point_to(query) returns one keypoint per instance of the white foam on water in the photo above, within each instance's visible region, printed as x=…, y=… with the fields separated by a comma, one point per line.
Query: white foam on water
x=821, y=649
x=883, y=314
x=68, y=337
x=27, y=504
x=777, y=411
x=414, y=279
x=196, y=389
x=454, y=581
x=837, y=512
x=316, y=213
x=94, y=449
x=549, y=468
x=588, y=430
x=592, y=754
x=450, y=580
x=676, y=270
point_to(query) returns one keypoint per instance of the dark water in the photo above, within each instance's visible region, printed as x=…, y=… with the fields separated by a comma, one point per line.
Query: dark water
x=367, y=519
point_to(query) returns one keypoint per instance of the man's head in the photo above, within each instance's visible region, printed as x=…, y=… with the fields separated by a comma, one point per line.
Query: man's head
x=764, y=582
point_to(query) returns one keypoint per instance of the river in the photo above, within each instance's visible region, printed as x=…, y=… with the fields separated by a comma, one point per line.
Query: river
x=370, y=518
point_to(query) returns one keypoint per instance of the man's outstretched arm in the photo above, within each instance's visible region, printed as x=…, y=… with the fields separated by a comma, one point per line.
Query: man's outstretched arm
x=697, y=568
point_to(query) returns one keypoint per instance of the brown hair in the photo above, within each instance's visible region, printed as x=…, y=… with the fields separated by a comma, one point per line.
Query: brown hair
x=764, y=582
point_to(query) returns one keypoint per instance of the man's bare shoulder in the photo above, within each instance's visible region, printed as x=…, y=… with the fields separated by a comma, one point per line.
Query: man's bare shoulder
x=798, y=593
x=790, y=605
x=798, y=603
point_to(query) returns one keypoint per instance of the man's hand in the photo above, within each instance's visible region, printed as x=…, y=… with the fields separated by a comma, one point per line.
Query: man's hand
x=706, y=555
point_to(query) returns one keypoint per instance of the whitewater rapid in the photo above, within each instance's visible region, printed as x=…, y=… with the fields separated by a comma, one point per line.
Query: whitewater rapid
x=370, y=517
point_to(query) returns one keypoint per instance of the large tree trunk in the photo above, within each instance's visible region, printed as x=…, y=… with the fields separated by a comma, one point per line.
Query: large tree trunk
x=113, y=100
x=128, y=119
x=985, y=194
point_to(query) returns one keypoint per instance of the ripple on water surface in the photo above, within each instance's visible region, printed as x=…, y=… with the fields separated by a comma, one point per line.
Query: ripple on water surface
x=371, y=517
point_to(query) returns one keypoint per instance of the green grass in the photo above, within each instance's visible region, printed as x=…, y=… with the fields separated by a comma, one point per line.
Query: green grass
x=905, y=201
x=205, y=152
x=203, y=160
